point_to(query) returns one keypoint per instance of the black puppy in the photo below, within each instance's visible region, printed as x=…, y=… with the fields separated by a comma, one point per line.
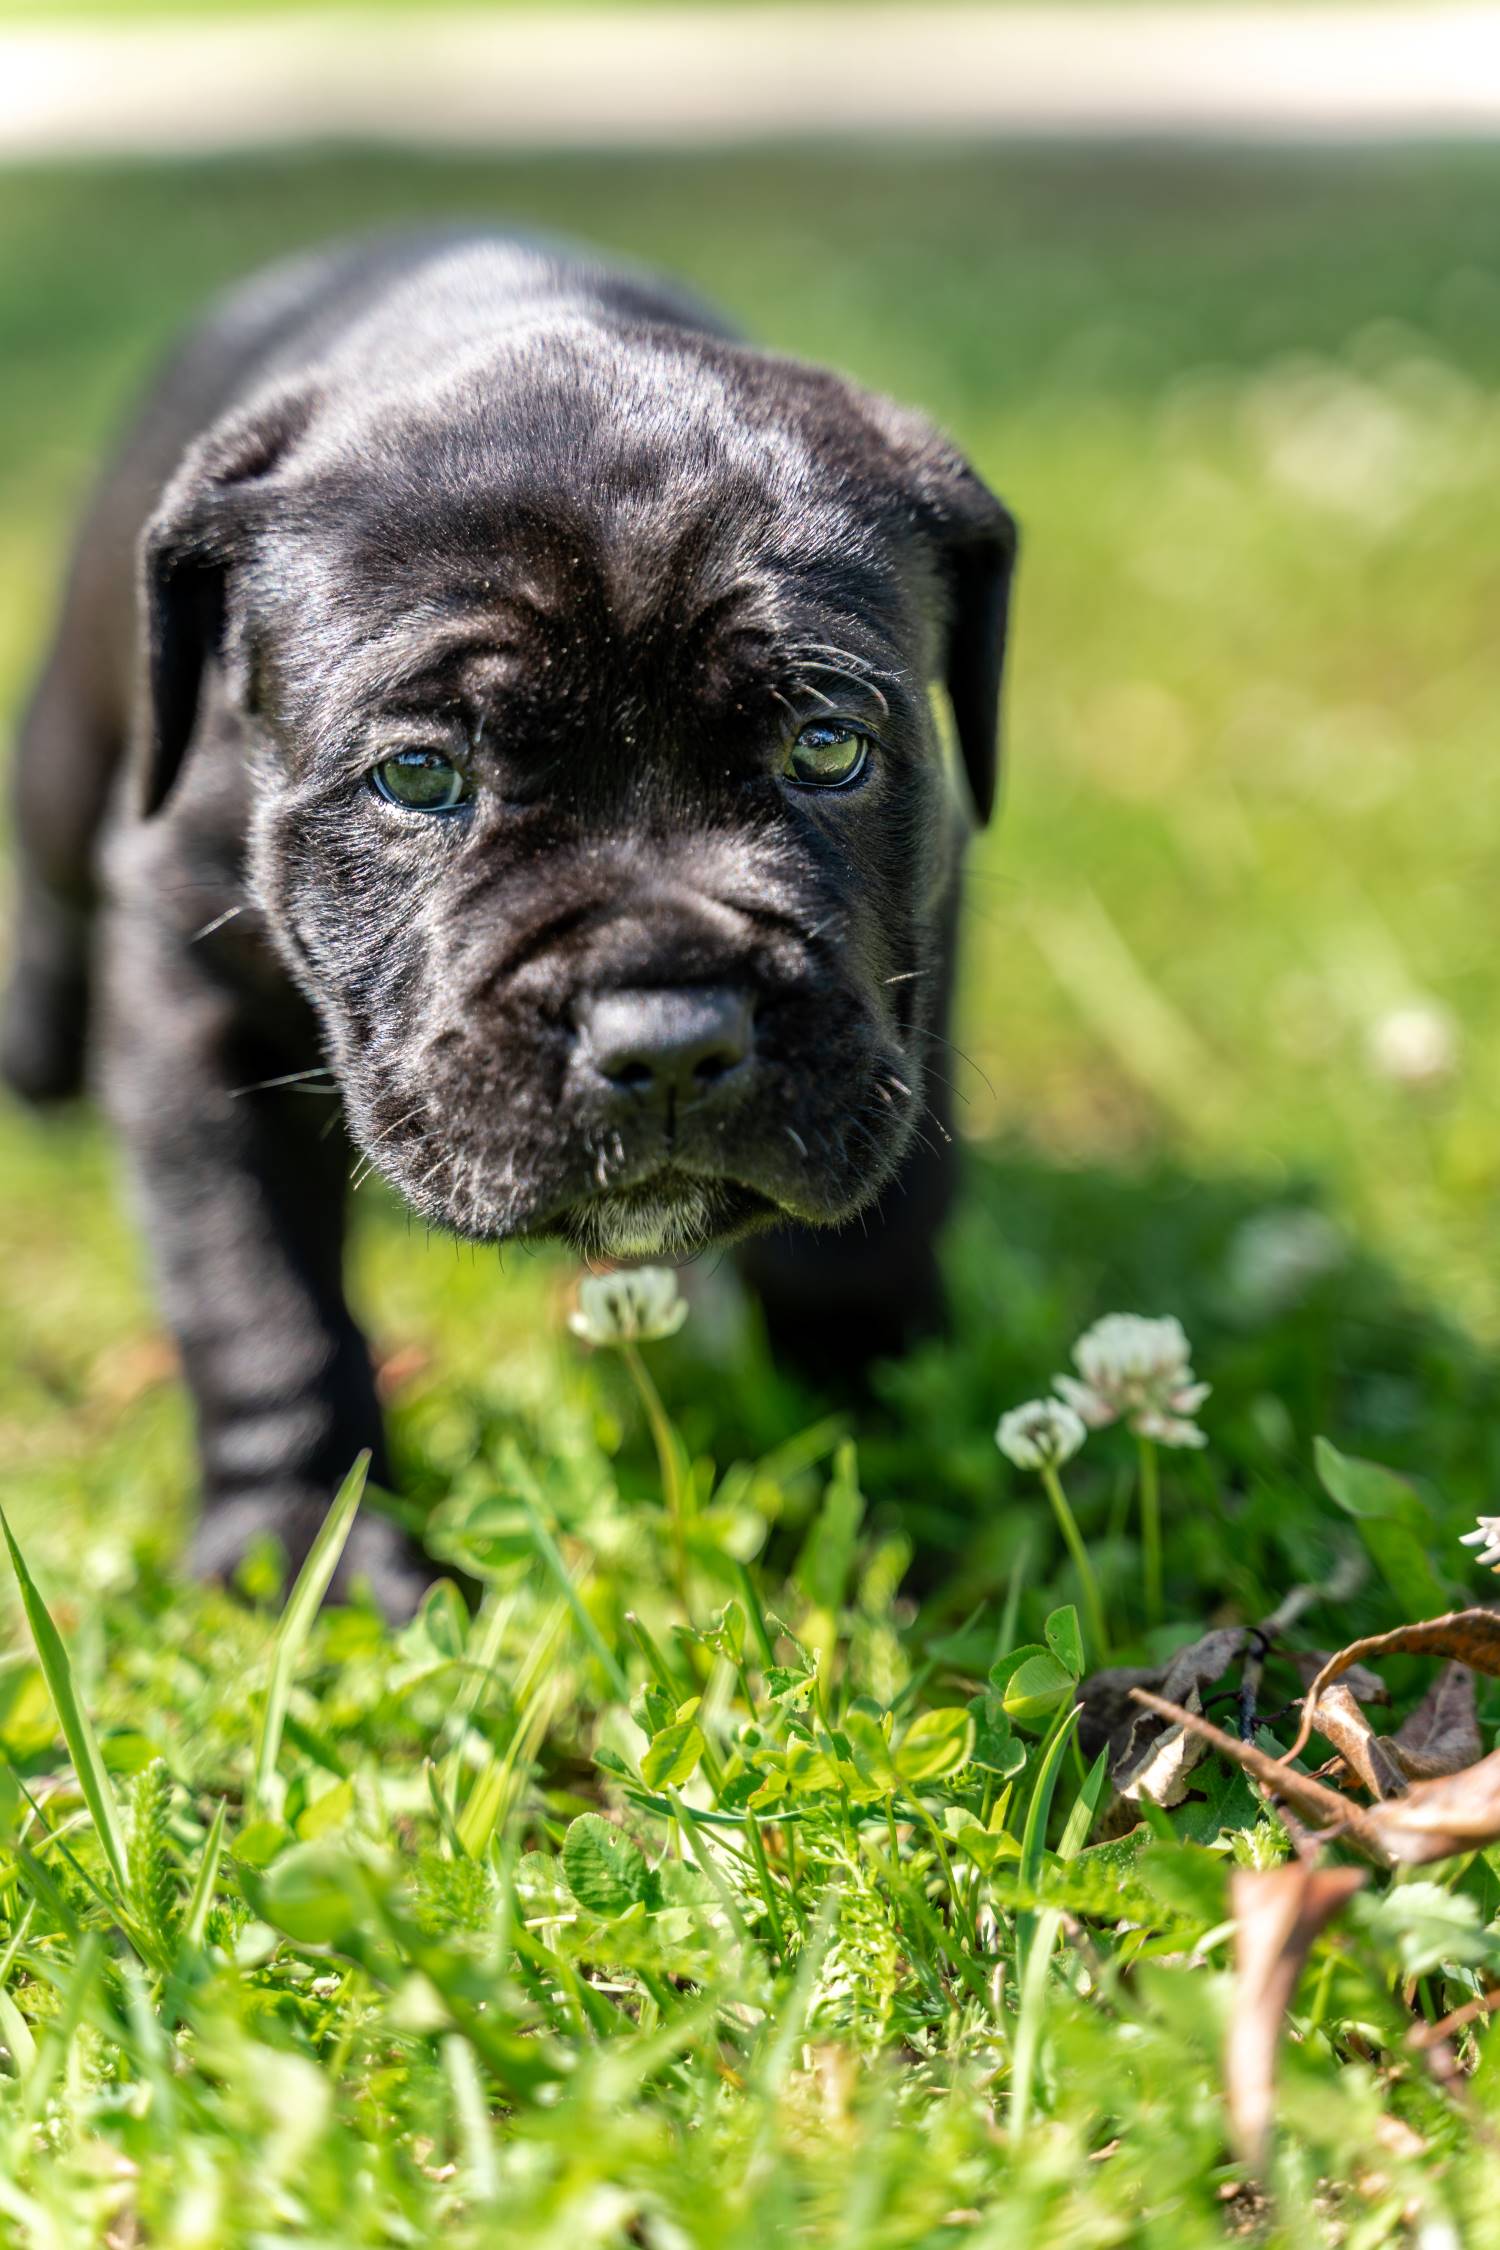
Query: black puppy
x=526, y=687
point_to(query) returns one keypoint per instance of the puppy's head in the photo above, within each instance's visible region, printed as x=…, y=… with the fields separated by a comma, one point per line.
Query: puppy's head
x=600, y=804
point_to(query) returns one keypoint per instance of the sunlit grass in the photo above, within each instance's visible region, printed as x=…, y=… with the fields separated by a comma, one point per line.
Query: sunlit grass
x=1246, y=412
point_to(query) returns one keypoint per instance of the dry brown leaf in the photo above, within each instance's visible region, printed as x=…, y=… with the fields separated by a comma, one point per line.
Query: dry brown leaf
x=1108, y=1713
x=1310, y=1797
x=1471, y=1636
x=1442, y=1734
x=1202, y=1662
x=1370, y=1757
x=1278, y=1912
x=1440, y=1737
x=1165, y=1765
x=1458, y=1812
x=1130, y=1735
x=1368, y=1686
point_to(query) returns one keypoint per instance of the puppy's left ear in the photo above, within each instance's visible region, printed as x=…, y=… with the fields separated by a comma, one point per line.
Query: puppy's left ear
x=971, y=540
x=978, y=547
x=187, y=551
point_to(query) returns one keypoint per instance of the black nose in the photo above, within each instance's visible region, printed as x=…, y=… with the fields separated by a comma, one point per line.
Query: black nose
x=671, y=1046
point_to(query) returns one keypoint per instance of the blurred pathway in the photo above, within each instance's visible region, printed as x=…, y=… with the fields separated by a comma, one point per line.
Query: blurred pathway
x=545, y=78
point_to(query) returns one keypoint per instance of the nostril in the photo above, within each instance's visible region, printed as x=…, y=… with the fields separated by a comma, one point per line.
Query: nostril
x=667, y=1043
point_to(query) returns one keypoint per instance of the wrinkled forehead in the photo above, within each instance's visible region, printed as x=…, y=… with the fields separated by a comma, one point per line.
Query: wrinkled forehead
x=589, y=560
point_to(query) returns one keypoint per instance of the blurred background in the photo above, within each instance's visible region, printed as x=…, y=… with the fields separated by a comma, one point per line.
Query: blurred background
x=1210, y=293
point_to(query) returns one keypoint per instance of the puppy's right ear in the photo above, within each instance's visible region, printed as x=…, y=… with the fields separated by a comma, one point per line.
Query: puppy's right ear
x=186, y=553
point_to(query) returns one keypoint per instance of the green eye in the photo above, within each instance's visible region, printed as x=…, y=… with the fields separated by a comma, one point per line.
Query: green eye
x=421, y=780
x=826, y=756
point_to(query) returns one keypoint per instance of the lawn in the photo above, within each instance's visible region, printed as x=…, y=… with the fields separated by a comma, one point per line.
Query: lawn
x=865, y=1955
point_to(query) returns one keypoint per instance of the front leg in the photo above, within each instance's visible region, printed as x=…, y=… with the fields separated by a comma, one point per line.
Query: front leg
x=836, y=1302
x=242, y=1198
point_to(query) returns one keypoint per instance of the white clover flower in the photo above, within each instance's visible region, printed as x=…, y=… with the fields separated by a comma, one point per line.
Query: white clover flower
x=1415, y=1046
x=635, y=1307
x=1486, y=1539
x=1139, y=1372
x=1043, y=1434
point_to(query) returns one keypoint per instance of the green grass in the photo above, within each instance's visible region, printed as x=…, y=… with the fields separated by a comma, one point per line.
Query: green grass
x=1245, y=410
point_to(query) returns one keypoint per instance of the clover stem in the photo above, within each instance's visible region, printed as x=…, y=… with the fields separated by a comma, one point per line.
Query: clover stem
x=1151, y=1529
x=675, y=1482
x=1072, y=1538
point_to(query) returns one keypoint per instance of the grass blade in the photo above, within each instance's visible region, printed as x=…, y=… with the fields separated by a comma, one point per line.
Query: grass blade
x=17, y=1939
x=1033, y=2006
x=16, y=2034
x=472, y=2118
x=710, y=1867
x=485, y=1807
x=313, y=1581
x=78, y=1733
x=489, y=1804
x=486, y=1640
x=1037, y=1955
x=1034, y=1834
x=551, y=1555
x=196, y=1925
x=50, y=2053
x=1085, y=1807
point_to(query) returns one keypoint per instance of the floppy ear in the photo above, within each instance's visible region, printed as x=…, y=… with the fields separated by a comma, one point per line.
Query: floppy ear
x=971, y=540
x=972, y=543
x=980, y=566
x=186, y=553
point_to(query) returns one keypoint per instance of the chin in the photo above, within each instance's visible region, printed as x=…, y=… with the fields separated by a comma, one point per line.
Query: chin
x=665, y=1217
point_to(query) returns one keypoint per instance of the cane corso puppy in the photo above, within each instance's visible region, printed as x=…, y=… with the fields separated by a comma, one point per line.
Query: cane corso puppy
x=489, y=689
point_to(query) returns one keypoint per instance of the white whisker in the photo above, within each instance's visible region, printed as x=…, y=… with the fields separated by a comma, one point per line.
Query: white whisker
x=217, y=923
x=291, y=1078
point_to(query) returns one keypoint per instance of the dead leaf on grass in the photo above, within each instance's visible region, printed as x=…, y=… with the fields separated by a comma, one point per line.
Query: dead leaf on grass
x=1165, y=1764
x=1113, y=1719
x=1310, y=1798
x=396, y=1370
x=1307, y=1663
x=1470, y=1636
x=1370, y=1757
x=1442, y=1734
x=1108, y=1714
x=1457, y=1812
x=1278, y=1912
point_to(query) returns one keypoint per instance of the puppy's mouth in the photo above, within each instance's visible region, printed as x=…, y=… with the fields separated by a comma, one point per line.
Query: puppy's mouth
x=629, y=1177
x=672, y=1214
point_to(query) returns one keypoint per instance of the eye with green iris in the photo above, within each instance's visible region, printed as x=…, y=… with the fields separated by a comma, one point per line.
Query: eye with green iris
x=421, y=781
x=826, y=756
